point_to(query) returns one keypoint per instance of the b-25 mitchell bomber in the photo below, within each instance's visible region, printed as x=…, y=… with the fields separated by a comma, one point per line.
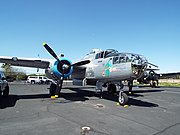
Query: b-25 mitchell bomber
x=104, y=68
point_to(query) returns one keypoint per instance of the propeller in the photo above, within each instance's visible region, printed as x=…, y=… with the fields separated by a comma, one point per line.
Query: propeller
x=64, y=66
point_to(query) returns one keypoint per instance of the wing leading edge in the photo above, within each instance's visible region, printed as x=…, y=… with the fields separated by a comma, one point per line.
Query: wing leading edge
x=26, y=62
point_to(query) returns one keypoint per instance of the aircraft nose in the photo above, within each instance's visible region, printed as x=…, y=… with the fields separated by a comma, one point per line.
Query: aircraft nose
x=139, y=65
x=139, y=60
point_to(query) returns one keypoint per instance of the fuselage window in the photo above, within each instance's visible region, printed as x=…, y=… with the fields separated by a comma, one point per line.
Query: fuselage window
x=97, y=56
x=128, y=59
x=115, y=60
x=122, y=60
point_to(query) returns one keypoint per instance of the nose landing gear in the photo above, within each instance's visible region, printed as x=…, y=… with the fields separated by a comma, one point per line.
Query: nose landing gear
x=123, y=98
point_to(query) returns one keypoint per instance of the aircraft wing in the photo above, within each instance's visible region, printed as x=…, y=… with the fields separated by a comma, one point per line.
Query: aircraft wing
x=26, y=62
x=169, y=75
x=152, y=67
x=149, y=69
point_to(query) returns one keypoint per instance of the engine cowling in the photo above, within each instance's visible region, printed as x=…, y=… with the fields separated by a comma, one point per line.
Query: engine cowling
x=63, y=66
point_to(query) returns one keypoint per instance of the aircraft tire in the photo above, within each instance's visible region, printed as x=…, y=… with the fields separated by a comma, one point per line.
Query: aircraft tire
x=52, y=89
x=6, y=91
x=123, y=99
x=155, y=84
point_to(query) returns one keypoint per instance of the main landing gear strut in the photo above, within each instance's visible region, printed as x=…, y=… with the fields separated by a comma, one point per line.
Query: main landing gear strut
x=55, y=89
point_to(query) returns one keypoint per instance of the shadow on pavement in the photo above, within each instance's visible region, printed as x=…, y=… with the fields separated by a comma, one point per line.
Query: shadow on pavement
x=79, y=95
x=132, y=102
x=10, y=101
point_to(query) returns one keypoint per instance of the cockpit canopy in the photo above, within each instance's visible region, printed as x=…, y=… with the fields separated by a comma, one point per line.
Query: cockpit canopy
x=106, y=53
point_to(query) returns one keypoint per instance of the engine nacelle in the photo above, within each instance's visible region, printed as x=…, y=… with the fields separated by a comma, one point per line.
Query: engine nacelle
x=148, y=77
x=58, y=68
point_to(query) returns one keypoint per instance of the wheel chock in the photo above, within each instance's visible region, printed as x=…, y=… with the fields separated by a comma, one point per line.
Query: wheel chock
x=56, y=96
x=130, y=93
x=53, y=97
x=117, y=104
x=125, y=106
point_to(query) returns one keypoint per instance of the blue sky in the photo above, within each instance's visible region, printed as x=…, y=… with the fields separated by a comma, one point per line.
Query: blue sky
x=74, y=27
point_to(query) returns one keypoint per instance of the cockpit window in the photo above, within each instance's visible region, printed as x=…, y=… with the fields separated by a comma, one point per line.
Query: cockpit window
x=110, y=52
x=105, y=54
x=99, y=55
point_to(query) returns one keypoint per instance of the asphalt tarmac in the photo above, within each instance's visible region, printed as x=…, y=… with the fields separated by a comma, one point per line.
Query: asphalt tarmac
x=79, y=111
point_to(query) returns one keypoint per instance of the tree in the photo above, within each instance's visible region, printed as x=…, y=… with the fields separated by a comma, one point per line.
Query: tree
x=8, y=70
x=13, y=73
x=21, y=76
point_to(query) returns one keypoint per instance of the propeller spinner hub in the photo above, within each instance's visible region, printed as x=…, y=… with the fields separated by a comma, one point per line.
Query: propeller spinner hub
x=65, y=67
x=62, y=67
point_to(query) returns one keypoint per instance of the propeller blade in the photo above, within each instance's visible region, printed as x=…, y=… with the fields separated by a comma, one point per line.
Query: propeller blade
x=81, y=63
x=50, y=51
x=59, y=84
